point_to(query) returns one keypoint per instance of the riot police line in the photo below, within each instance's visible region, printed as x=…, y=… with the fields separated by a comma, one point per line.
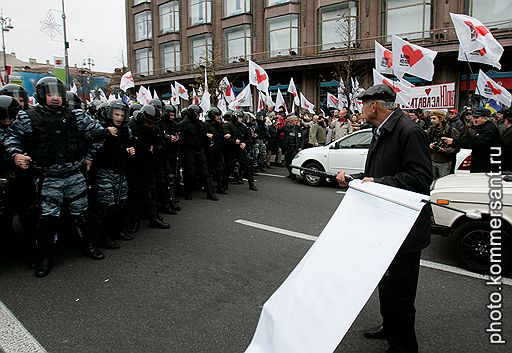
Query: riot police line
x=66, y=170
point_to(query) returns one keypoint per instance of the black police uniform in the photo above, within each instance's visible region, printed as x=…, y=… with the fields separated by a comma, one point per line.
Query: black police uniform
x=215, y=153
x=293, y=141
x=193, y=145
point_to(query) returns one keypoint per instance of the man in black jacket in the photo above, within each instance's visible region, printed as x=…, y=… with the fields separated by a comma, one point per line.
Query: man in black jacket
x=480, y=140
x=215, y=150
x=398, y=156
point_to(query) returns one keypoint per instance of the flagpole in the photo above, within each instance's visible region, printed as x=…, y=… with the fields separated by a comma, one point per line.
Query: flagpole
x=468, y=82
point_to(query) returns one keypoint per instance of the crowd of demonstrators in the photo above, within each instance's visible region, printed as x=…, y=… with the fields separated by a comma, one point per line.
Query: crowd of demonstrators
x=96, y=173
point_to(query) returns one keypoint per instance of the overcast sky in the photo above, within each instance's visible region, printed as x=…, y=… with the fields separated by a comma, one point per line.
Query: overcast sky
x=99, y=23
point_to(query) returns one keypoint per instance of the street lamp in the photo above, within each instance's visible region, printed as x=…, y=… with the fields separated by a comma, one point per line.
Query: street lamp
x=5, y=22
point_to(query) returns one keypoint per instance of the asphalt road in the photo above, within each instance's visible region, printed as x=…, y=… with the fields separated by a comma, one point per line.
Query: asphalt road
x=200, y=286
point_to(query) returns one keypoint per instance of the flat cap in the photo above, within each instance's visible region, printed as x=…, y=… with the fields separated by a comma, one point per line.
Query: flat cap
x=482, y=112
x=378, y=92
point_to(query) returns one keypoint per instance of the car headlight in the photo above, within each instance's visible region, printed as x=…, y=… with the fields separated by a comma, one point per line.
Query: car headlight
x=297, y=155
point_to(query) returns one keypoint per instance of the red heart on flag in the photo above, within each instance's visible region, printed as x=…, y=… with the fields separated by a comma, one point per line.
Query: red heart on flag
x=478, y=29
x=413, y=56
x=389, y=58
x=396, y=89
x=295, y=94
x=259, y=77
x=493, y=89
x=182, y=90
x=334, y=100
x=228, y=90
x=428, y=90
x=482, y=52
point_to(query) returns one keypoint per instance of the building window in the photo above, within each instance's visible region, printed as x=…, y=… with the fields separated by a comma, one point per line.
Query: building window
x=170, y=17
x=338, y=25
x=494, y=13
x=136, y=2
x=143, y=26
x=236, y=7
x=201, y=49
x=238, y=43
x=144, y=61
x=278, y=2
x=170, y=56
x=200, y=11
x=283, y=35
x=408, y=18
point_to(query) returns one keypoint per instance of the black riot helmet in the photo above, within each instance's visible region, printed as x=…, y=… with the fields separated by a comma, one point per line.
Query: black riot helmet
x=157, y=103
x=249, y=117
x=213, y=112
x=194, y=111
x=9, y=108
x=93, y=106
x=149, y=113
x=169, y=108
x=73, y=101
x=101, y=114
x=17, y=92
x=238, y=114
x=50, y=85
x=134, y=107
x=228, y=116
x=184, y=113
x=117, y=104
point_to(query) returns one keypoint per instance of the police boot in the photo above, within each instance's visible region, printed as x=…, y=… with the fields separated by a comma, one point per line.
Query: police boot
x=88, y=249
x=44, y=242
x=167, y=210
x=211, y=196
x=252, y=186
x=157, y=223
x=209, y=193
x=134, y=226
x=108, y=225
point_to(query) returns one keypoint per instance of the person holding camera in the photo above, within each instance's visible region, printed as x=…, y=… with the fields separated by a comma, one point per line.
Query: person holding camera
x=442, y=156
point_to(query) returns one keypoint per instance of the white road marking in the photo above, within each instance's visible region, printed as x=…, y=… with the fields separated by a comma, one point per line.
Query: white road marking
x=341, y=192
x=14, y=337
x=272, y=175
x=424, y=263
x=276, y=230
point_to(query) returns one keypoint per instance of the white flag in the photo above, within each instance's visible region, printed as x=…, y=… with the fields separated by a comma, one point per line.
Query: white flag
x=74, y=88
x=403, y=93
x=111, y=97
x=269, y=100
x=181, y=91
x=155, y=95
x=221, y=104
x=280, y=100
x=293, y=90
x=412, y=59
x=227, y=90
x=476, y=41
x=383, y=59
x=258, y=77
x=333, y=102
x=103, y=97
x=205, y=101
x=305, y=104
x=244, y=99
x=127, y=81
x=488, y=88
x=406, y=83
x=261, y=101
x=318, y=302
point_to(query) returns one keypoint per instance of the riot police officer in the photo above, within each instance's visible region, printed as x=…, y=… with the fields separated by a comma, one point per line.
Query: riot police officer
x=111, y=186
x=141, y=174
x=293, y=142
x=215, y=151
x=170, y=159
x=194, y=142
x=238, y=146
x=50, y=139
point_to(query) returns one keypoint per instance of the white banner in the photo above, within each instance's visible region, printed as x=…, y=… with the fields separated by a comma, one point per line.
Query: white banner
x=318, y=302
x=440, y=96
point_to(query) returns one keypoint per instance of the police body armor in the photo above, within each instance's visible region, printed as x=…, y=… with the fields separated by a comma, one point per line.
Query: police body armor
x=55, y=138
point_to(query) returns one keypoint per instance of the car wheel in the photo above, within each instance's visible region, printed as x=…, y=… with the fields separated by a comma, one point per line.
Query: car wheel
x=312, y=180
x=472, y=247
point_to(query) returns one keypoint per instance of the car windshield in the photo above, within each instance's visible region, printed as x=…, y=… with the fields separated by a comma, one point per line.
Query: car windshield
x=358, y=139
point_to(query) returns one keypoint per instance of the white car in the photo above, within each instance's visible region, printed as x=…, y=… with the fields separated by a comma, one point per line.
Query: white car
x=470, y=234
x=349, y=153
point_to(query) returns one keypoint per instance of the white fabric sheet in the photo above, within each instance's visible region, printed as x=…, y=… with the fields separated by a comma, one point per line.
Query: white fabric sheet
x=316, y=305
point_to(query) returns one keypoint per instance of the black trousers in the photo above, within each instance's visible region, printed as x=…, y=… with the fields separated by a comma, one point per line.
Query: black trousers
x=195, y=167
x=289, y=153
x=142, y=199
x=397, y=293
x=246, y=167
x=216, y=166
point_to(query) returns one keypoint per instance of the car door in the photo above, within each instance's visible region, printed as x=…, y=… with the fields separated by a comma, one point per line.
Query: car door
x=349, y=153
